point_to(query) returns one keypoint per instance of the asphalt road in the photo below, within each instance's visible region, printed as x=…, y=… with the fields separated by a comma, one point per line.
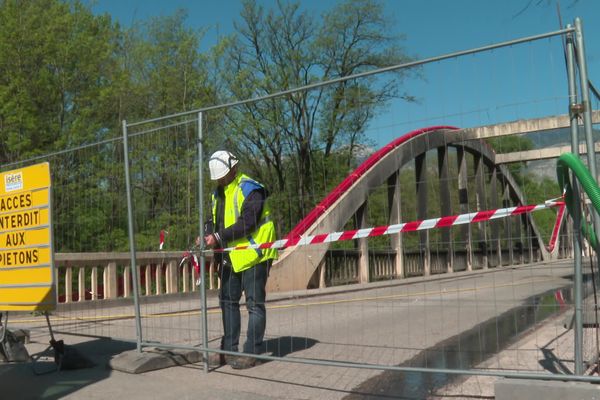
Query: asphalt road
x=381, y=324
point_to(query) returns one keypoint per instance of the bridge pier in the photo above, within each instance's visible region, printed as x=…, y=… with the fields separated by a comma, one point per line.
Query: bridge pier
x=363, y=245
x=495, y=225
x=421, y=183
x=395, y=213
x=445, y=205
x=481, y=205
x=508, y=229
x=463, y=200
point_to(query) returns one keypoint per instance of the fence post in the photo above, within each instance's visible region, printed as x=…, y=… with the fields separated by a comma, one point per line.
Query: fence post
x=138, y=319
x=576, y=214
x=201, y=235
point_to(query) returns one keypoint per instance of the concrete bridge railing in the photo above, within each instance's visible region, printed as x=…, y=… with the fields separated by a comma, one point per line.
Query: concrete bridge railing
x=96, y=276
x=92, y=277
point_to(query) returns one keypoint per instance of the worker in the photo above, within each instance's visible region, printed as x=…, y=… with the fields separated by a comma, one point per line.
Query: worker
x=240, y=217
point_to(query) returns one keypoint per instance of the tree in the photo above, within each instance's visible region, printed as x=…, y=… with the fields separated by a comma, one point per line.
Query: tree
x=287, y=48
x=55, y=62
x=56, y=66
x=67, y=78
x=510, y=144
x=166, y=74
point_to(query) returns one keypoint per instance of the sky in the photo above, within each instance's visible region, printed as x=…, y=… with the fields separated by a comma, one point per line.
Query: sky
x=526, y=81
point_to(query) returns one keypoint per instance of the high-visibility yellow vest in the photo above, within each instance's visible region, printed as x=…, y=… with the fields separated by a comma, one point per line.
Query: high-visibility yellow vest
x=235, y=193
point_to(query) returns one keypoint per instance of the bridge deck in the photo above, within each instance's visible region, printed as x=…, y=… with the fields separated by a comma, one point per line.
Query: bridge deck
x=388, y=323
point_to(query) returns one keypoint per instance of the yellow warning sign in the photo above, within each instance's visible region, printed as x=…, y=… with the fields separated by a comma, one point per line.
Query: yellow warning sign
x=24, y=219
x=23, y=201
x=16, y=277
x=32, y=298
x=25, y=179
x=15, y=239
x=26, y=257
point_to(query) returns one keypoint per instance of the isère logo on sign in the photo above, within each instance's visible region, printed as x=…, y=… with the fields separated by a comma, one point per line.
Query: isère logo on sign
x=13, y=181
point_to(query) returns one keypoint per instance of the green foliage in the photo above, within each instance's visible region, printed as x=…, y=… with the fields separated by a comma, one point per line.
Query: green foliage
x=55, y=63
x=69, y=78
x=510, y=144
x=287, y=141
x=538, y=190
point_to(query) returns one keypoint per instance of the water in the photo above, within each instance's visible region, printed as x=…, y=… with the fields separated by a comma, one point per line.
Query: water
x=463, y=351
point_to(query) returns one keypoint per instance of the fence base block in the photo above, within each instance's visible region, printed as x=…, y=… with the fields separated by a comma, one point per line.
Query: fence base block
x=521, y=389
x=151, y=359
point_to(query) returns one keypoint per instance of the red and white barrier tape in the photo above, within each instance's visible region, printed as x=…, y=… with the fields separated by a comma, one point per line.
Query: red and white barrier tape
x=442, y=222
x=559, y=218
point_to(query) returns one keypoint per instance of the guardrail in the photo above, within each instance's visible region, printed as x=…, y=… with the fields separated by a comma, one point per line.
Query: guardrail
x=341, y=266
x=96, y=276
x=82, y=277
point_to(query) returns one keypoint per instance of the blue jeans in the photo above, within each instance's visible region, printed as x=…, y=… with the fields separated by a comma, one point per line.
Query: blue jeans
x=252, y=282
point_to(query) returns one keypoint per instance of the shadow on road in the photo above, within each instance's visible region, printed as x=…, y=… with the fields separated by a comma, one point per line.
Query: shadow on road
x=282, y=346
x=42, y=380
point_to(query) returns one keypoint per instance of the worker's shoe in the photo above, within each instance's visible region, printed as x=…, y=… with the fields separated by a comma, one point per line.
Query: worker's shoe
x=216, y=360
x=241, y=362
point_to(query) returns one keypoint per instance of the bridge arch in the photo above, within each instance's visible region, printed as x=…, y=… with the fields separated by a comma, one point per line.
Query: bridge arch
x=296, y=266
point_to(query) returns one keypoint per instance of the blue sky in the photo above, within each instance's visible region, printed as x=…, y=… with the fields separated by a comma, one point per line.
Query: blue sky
x=513, y=83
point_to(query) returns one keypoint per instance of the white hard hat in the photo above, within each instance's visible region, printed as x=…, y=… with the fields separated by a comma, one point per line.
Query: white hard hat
x=220, y=163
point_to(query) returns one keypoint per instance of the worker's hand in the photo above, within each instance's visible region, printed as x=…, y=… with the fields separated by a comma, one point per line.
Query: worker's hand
x=210, y=240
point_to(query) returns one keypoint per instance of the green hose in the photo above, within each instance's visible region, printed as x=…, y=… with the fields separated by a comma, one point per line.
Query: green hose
x=570, y=161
